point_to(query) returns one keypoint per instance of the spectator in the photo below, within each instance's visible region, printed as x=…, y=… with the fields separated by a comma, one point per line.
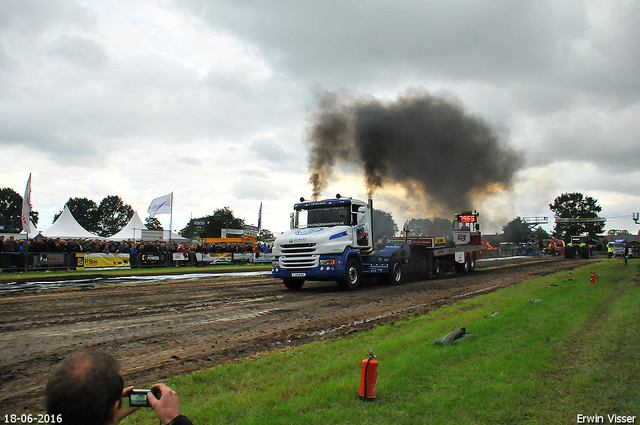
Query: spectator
x=87, y=388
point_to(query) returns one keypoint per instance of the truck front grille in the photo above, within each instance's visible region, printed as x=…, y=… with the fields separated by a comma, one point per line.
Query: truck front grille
x=298, y=256
x=298, y=248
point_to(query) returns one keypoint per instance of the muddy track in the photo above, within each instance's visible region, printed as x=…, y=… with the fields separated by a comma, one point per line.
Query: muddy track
x=162, y=330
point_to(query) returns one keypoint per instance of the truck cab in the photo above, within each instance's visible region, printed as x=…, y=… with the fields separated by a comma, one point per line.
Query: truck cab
x=619, y=247
x=325, y=241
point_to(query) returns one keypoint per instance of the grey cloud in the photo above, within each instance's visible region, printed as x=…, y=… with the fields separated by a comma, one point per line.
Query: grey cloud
x=254, y=173
x=81, y=51
x=34, y=16
x=189, y=160
x=270, y=150
x=545, y=45
x=258, y=189
x=353, y=38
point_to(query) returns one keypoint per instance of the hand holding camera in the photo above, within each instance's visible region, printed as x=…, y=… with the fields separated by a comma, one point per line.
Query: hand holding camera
x=139, y=398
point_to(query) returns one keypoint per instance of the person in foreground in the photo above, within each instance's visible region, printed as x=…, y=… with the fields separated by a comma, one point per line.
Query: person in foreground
x=87, y=388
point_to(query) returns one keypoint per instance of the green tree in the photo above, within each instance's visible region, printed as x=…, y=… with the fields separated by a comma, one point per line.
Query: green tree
x=516, y=231
x=11, y=210
x=85, y=211
x=539, y=235
x=577, y=207
x=114, y=215
x=153, y=223
x=221, y=218
x=265, y=236
x=384, y=226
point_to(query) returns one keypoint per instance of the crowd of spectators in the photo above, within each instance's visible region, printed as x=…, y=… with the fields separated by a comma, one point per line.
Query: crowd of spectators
x=14, y=252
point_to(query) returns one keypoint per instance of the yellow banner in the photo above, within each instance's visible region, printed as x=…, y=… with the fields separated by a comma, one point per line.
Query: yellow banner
x=97, y=260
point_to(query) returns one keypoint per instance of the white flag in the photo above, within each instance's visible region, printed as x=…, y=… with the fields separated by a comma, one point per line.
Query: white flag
x=26, y=208
x=161, y=205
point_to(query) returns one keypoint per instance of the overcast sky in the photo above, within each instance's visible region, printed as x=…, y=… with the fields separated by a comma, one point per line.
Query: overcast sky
x=210, y=100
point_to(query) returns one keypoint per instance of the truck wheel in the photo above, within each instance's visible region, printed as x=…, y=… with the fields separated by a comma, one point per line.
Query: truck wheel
x=353, y=275
x=472, y=261
x=395, y=272
x=467, y=264
x=293, y=284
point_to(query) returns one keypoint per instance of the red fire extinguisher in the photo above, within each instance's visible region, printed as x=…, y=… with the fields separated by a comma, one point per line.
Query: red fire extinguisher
x=369, y=377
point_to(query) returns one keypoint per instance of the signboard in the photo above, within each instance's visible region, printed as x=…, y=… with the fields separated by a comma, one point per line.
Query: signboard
x=52, y=259
x=152, y=235
x=428, y=242
x=224, y=233
x=223, y=258
x=102, y=261
x=198, y=223
x=251, y=231
x=264, y=258
x=580, y=220
x=152, y=259
x=467, y=218
x=180, y=256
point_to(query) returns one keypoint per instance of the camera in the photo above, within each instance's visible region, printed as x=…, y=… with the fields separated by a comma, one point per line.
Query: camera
x=138, y=398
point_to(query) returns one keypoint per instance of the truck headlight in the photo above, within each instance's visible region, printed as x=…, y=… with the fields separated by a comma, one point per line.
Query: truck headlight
x=327, y=262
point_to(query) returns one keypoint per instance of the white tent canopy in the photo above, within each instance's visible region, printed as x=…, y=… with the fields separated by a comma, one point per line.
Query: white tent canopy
x=133, y=230
x=66, y=227
x=33, y=233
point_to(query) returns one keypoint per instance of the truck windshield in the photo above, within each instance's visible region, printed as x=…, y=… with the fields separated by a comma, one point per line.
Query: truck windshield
x=325, y=216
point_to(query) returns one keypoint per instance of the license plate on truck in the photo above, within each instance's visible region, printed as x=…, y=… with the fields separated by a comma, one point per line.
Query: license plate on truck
x=298, y=274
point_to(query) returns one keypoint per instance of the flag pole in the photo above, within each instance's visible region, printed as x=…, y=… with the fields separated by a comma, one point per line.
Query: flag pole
x=171, y=219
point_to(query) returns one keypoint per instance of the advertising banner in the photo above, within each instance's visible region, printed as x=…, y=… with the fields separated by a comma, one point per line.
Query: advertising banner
x=152, y=235
x=263, y=258
x=223, y=258
x=180, y=256
x=152, y=259
x=250, y=231
x=243, y=257
x=52, y=259
x=102, y=261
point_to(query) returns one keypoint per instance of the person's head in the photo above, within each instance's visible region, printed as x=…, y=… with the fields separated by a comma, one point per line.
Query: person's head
x=84, y=388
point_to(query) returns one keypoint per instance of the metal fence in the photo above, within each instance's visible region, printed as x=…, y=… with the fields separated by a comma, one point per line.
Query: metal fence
x=41, y=261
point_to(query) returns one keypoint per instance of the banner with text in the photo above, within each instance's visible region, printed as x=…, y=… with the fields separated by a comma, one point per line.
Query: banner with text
x=102, y=261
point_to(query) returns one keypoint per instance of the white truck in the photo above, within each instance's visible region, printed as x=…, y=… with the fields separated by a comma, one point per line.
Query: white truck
x=619, y=247
x=332, y=240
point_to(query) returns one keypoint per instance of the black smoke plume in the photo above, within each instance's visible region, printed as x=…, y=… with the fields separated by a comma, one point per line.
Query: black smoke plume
x=428, y=144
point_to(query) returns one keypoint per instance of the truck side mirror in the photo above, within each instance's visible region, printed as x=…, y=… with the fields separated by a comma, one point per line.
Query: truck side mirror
x=291, y=221
x=361, y=214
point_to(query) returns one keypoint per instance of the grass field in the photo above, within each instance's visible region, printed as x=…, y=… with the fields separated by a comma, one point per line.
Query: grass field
x=575, y=352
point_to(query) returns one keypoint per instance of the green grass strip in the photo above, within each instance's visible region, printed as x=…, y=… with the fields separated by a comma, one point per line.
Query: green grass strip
x=575, y=352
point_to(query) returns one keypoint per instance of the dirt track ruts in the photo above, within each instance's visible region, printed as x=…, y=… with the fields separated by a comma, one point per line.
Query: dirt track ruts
x=162, y=330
